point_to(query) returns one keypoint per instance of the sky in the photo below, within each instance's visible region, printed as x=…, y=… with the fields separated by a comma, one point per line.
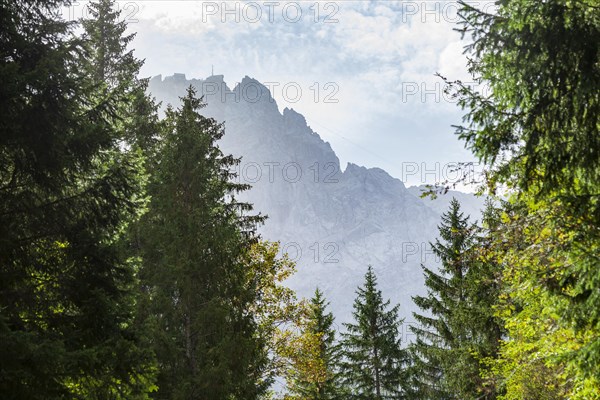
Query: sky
x=361, y=72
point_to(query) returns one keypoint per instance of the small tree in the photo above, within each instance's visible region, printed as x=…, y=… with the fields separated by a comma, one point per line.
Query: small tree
x=373, y=363
x=273, y=306
x=315, y=356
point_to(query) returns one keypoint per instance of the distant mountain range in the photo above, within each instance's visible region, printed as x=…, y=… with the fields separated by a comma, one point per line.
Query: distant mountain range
x=333, y=221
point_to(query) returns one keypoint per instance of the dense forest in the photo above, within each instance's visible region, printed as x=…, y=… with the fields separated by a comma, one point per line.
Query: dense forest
x=130, y=269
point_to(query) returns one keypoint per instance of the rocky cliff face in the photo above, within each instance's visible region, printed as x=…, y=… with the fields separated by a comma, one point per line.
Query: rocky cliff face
x=333, y=222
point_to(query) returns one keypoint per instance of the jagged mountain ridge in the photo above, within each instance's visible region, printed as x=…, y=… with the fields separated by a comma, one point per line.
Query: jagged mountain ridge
x=333, y=222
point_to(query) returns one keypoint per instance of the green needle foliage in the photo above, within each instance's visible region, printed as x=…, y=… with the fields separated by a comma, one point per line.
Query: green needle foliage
x=457, y=330
x=126, y=260
x=67, y=194
x=112, y=65
x=537, y=131
x=114, y=71
x=373, y=361
x=193, y=240
x=440, y=332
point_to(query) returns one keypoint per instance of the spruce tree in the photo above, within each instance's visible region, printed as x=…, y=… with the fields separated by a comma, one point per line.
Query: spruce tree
x=114, y=71
x=66, y=195
x=373, y=360
x=193, y=239
x=436, y=336
x=484, y=287
x=112, y=65
x=457, y=329
x=537, y=132
x=314, y=374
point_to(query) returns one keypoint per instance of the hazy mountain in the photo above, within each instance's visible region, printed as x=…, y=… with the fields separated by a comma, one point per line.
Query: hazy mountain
x=470, y=204
x=333, y=221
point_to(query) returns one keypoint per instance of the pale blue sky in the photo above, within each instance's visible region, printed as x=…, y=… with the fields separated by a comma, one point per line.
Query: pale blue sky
x=379, y=59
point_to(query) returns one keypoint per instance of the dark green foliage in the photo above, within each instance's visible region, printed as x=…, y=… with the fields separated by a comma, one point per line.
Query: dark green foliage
x=112, y=65
x=113, y=71
x=192, y=240
x=66, y=194
x=541, y=62
x=537, y=128
x=373, y=364
x=457, y=329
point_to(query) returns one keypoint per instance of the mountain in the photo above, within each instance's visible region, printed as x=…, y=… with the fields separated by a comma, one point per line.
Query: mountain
x=470, y=204
x=333, y=222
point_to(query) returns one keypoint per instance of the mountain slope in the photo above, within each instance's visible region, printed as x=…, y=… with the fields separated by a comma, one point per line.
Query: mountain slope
x=333, y=222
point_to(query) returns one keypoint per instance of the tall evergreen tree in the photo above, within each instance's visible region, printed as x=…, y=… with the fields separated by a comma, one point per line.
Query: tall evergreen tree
x=537, y=131
x=314, y=373
x=111, y=65
x=114, y=72
x=194, y=237
x=442, y=369
x=373, y=360
x=67, y=193
x=484, y=287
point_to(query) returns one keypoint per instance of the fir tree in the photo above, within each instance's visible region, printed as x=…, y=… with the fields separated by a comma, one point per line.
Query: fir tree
x=458, y=328
x=113, y=72
x=373, y=364
x=484, y=287
x=112, y=65
x=537, y=132
x=114, y=69
x=436, y=336
x=193, y=238
x=67, y=193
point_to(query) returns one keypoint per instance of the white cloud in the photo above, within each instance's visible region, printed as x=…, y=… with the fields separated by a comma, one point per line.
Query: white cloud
x=372, y=52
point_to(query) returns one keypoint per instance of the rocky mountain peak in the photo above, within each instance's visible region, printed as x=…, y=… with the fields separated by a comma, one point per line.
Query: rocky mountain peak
x=332, y=223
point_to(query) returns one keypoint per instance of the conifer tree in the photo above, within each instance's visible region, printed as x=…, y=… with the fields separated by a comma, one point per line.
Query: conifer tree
x=373, y=360
x=112, y=64
x=438, y=334
x=314, y=373
x=114, y=72
x=457, y=329
x=66, y=195
x=194, y=237
x=484, y=287
x=537, y=132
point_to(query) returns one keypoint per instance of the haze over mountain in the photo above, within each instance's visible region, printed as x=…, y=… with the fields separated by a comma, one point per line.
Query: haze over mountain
x=334, y=222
